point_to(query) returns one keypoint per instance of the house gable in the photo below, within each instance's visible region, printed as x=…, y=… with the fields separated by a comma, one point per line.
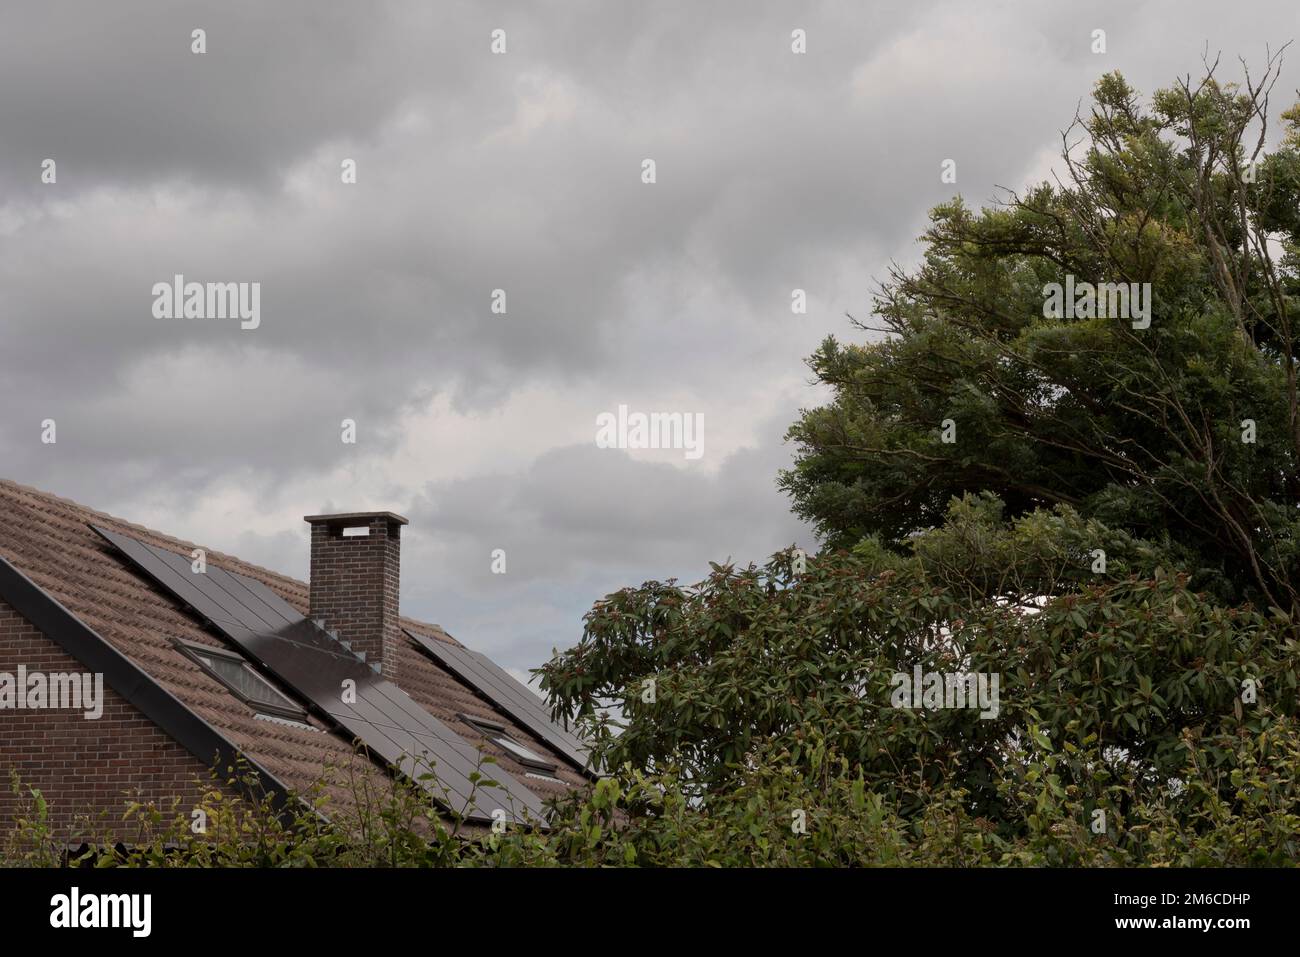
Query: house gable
x=86, y=769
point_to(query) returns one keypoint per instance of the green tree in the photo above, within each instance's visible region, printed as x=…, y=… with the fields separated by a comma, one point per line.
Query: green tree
x=1142, y=429
x=1097, y=534
x=1119, y=670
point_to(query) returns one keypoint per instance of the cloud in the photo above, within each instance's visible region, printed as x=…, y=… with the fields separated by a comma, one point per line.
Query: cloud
x=578, y=523
x=479, y=172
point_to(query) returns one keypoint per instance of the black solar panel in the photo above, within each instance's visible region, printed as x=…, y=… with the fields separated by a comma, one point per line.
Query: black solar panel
x=496, y=684
x=305, y=658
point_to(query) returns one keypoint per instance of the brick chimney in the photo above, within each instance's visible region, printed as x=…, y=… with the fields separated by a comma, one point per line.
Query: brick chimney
x=355, y=581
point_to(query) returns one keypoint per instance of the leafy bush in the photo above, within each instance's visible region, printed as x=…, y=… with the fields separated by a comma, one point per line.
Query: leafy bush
x=755, y=657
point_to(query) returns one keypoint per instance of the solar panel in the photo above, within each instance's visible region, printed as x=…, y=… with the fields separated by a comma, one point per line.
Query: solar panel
x=304, y=657
x=496, y=684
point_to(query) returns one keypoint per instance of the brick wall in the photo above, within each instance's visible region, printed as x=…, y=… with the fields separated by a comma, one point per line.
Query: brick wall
x=83, y=767
x=355, y=584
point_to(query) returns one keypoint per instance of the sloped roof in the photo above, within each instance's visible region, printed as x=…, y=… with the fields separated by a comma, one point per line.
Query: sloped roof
x=50, y=541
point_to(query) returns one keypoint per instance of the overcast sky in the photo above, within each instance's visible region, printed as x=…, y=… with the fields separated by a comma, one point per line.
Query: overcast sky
x=478, y=171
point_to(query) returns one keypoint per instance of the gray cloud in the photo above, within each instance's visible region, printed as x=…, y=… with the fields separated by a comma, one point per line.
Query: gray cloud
x=581, y=522
x=479, y=172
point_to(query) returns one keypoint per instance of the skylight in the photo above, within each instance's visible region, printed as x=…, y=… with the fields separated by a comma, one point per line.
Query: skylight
x=525, y=755
x=496, y=733
x=233, y=671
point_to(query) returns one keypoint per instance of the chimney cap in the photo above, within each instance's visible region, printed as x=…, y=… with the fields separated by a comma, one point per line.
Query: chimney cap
x=354, y=519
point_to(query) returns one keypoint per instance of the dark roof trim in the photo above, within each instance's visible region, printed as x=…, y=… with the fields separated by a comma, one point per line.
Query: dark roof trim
x=130, y=681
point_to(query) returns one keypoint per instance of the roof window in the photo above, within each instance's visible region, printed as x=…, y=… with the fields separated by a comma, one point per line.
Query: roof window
x=496, y=733
x=244, y=681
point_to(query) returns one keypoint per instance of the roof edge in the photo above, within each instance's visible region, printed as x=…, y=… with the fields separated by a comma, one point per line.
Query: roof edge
x=136, y=530
x=355, y=518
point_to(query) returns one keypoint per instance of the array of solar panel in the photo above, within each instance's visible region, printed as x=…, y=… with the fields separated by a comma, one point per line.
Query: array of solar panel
x=495, y=684
x=305, y=658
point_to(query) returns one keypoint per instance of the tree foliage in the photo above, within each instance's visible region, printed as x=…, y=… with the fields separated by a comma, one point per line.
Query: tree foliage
x=1140, y=429
x=1126, y=667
